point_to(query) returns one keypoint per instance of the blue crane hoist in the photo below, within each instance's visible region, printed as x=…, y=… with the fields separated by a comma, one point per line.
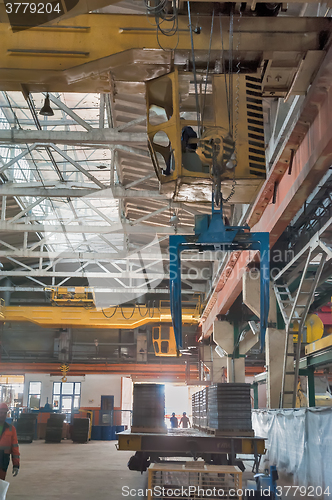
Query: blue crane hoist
x=211, y=234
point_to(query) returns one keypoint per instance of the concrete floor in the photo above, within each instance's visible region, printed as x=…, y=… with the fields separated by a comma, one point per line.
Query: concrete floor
x=95, y=470
x=65, y=471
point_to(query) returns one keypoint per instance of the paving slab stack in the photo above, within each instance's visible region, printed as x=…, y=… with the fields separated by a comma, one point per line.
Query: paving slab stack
x=229, y=407
x=80, y=432
x=223, y=407
x=54, y=428
x=25, y=427
x=149, y=407
x=195, y=408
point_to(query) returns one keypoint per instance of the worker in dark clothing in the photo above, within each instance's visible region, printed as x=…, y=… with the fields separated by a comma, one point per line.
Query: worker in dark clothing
x=184, y=421
x=174, y=421
x=8, y=444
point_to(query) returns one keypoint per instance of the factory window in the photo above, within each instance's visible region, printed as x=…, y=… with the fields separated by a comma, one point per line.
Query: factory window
x=34, y=395
x=11, y=390
x=66, y=397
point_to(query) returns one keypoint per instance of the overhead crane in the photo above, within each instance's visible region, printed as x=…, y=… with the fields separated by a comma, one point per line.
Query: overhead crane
x=86, y=317
x=106, y=53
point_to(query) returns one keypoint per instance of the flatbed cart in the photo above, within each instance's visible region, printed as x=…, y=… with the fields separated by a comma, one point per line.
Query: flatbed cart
x=193, y=443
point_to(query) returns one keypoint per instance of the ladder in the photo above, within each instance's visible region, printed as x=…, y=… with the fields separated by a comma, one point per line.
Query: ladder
x=294, y=307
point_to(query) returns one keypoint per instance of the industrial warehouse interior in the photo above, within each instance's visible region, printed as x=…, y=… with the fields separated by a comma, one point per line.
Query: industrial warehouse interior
x=165, y=249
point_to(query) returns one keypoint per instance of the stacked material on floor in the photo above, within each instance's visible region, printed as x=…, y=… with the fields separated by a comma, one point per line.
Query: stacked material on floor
x=195, y=408
x=149, y=408
x=223, y=407
x=200, y=408
x=80, y=433
x=25, y=427
x=229, y=407
x=54, y=428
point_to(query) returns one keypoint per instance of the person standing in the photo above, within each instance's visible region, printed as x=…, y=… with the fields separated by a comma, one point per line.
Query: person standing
x=8, y=444
x=174, y=421
x=184, y=421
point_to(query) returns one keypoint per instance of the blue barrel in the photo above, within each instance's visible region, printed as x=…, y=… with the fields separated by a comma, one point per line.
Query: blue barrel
x=107, y=432
x=96, y=432
x=120, y=428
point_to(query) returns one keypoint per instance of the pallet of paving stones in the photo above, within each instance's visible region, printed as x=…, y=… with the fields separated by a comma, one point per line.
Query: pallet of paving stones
x=199, y=408
x=25, y=427
x=148, y=405
x=203, y=407
x=229, y=407
x=80, y=432
x=54, y=428
x=195, y=408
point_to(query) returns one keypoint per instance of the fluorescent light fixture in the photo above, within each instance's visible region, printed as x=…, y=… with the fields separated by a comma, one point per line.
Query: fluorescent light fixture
x=254, y=327
x=220, y=351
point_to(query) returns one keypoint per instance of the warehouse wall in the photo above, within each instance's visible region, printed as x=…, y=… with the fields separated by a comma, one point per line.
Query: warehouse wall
x=93, y=386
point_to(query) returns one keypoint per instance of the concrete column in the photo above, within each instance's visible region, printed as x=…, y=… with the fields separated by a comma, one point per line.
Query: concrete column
x=275, y=344
x=218, y=368
x=251, y=295
x=235, y=370
x=215, y=363
x=224, y=334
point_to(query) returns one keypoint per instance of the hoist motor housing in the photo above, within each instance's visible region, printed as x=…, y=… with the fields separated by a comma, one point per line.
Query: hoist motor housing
x=187, y=176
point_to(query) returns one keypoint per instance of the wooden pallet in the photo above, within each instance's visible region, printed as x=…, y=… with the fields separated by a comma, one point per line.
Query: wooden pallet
x=149, y=430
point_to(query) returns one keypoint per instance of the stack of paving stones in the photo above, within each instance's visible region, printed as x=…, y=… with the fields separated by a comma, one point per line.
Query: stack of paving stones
x=203, y=407
x=54, y=428
x=149, y=407
x=229, y=407
x=195, y=408
x=25, y=427
x=80, y=432
x=199, y=402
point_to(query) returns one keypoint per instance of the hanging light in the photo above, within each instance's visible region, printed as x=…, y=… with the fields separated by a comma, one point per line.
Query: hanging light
x=46, y=109
x=174, y=220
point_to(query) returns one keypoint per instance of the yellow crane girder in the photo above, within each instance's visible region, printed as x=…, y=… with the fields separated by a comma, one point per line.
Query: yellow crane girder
x=89, y=52
x=80, y=317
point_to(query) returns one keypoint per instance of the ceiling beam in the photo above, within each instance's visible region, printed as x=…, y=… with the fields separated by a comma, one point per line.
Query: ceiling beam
x=72, y=189
x=93, y=137
x=72, y=289
x=41, y=273
x=101, y=256
x=116, y=228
